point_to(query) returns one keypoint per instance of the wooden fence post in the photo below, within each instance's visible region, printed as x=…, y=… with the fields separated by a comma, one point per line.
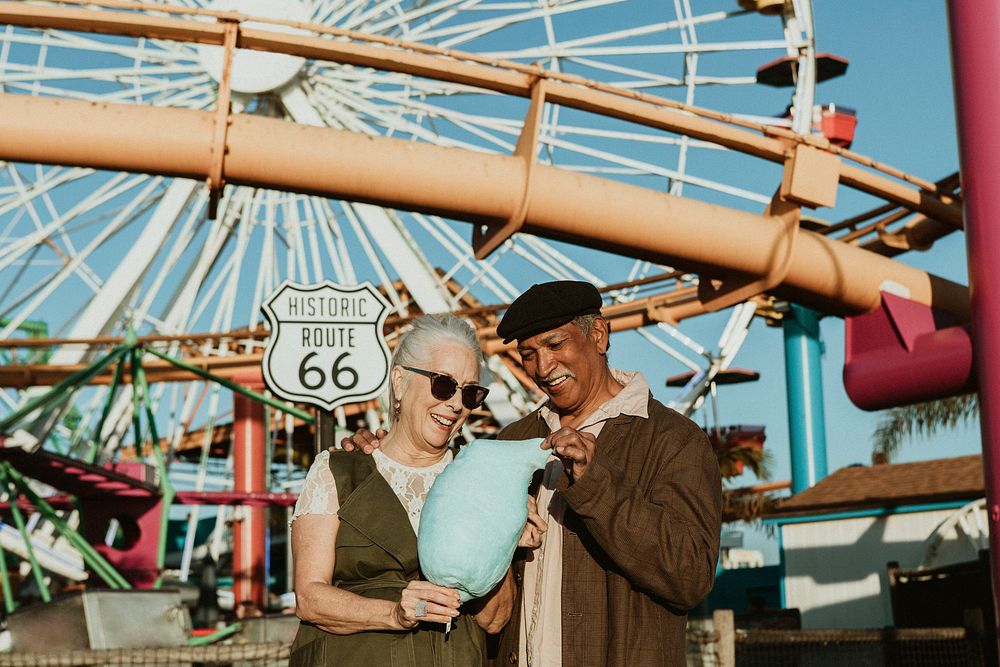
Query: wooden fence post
x=724, y=626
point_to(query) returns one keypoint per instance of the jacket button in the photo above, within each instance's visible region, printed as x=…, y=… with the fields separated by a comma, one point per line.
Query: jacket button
x=512, y=658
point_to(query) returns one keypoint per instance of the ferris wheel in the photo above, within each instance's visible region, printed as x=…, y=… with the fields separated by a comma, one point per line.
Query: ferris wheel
x=87, y=253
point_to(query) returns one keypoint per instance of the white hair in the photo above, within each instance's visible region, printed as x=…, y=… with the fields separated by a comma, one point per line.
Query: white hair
x=426, y=334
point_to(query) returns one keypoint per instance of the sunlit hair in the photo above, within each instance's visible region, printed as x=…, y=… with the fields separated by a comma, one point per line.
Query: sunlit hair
x=585, y=323
x=428, y=333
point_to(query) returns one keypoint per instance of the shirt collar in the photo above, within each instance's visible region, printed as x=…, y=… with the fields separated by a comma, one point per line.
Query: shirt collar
x=631, y=400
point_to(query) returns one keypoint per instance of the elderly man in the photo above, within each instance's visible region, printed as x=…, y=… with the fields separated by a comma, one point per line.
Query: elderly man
x=632, y=498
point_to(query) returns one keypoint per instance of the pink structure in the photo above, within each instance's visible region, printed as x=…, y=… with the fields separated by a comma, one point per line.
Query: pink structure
x=126, y=492
x=975, y=48
x=249, y=468
x=905, y=352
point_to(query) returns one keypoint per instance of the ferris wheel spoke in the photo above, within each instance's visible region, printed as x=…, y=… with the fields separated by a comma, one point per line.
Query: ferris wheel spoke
x=175, y=252
x=298, y=262
x=98, y=316
x=18, y=195
x=637, y=50
x=636, y=137
x=329, y=239
x=214, y=296
x=576, y=269
x=343, y=15
x=373, y=259
x=409, y=262
x=332, y=230
x=406, y=93
x=165, y=92
x=646, y=30
x=125, y=217
x=162, y=52
x=482, y=271
x=312, y=245
x=640, y=79
x=226, y=308
x=392, y=118
x=186, y=289
x=401, y=83
x=463, y=33
x=105, y=194
x=264, y=283
x=646, y=168
x=545, y=264
x=441, y=11
x=149, y=75
x=343, y=106
x=460, y=253
x=361, y=19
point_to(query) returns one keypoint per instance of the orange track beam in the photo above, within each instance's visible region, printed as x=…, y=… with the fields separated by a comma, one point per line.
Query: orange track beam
x=467, y=69
x=465, y=185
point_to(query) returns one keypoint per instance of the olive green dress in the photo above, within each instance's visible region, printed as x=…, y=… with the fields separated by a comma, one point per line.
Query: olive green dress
x=376, y=556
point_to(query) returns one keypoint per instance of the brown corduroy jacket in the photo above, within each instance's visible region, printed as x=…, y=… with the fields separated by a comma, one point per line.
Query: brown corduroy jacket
x=640, y=542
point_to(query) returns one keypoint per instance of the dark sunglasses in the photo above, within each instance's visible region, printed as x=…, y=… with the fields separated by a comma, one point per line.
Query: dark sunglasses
x=444, y=387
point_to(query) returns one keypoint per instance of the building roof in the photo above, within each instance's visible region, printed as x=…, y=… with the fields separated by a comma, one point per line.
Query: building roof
x=889, y=486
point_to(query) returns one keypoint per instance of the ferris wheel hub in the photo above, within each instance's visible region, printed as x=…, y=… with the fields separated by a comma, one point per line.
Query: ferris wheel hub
x=256, y=71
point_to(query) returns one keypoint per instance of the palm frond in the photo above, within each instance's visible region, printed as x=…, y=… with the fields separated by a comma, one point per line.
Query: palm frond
x=744, y=505
x=903, y=423
x=734, y=460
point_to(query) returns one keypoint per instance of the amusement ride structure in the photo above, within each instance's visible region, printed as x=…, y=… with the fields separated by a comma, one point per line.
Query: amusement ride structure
x=165, y=166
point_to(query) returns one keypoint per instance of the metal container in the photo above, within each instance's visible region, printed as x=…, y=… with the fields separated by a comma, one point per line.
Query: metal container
x=273, y=628
x=101, y=619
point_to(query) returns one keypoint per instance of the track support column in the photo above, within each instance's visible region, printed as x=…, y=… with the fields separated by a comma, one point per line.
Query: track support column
x=804, y=390
x=249, y=471
x=975, y=58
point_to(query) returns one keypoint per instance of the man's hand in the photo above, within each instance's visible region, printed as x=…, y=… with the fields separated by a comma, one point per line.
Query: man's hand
x=531, y=536
x=575, y=448
x=364, y=440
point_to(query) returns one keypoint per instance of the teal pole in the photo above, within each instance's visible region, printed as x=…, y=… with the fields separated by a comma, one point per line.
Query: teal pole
x=804, y=391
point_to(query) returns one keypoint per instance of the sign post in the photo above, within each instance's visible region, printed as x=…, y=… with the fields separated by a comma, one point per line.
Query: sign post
x=326, y=345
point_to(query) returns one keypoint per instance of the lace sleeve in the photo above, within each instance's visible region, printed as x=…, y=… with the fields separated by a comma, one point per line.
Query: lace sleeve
x=319, y=494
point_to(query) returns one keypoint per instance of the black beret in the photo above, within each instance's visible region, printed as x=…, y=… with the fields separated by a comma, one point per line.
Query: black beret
x=548, y=306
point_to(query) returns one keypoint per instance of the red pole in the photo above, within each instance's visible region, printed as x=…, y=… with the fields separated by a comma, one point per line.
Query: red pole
x=249, y=467
x=975, y=60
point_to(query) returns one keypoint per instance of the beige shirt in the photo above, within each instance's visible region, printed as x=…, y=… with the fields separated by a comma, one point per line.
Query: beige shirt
x=540, y=636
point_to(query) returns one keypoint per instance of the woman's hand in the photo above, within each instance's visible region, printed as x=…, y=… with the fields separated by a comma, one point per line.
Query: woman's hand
x=531, y=536
x=438, y=604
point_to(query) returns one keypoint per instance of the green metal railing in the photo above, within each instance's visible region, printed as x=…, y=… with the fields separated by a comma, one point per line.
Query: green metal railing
x=126, y=356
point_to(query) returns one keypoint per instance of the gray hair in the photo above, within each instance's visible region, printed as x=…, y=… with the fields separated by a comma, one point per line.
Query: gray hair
x=425, y=335
x=586, y=322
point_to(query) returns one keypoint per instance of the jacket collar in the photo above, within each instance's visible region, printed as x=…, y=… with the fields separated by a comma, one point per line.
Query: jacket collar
x=375, y=512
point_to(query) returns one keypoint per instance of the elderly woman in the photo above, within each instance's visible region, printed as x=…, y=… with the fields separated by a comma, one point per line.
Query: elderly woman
x=357, y=580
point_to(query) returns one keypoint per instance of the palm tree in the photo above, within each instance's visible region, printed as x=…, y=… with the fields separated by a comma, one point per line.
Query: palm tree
x=899, y=424
x=741, y=448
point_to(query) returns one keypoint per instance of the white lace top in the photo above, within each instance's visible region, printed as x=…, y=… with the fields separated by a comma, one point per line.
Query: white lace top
x=410, y=484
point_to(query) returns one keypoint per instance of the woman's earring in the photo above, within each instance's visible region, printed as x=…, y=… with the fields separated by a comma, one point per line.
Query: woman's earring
x=395, y=410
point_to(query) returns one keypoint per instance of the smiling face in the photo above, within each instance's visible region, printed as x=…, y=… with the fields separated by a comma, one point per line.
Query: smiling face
x=570, y=367
x=429, y=424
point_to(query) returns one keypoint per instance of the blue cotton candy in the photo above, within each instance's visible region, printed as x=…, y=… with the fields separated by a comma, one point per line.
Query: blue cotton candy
x=475, y=513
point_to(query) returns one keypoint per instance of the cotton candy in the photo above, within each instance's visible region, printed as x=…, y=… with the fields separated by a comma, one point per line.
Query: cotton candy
x=475, y=513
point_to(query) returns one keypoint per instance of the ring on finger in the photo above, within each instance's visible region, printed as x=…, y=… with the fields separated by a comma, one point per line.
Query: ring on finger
x=420, y=609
